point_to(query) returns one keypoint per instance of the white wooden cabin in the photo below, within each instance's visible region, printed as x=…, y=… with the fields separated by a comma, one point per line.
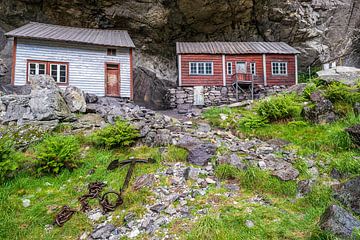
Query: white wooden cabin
x=97, y=61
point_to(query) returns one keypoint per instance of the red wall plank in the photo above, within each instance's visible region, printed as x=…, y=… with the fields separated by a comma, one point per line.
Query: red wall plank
x=281, y=80
x=217, y=78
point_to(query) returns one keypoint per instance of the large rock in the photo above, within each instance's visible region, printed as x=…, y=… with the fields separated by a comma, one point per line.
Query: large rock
x=347, y=75
x=46, y=101
x=15, y=108
x=75, y=99
x=354, y=132
x=349, y=194
x=322, y=110
x=340, y=222
x=200, y=152
x=149, y=90
x=3, y=68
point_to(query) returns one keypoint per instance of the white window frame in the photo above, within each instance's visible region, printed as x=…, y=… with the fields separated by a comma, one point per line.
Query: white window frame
x=58, y=65
x=229, y=68
x=253, y=68
x=204, y=64
x=37, y=68
x=278, y=66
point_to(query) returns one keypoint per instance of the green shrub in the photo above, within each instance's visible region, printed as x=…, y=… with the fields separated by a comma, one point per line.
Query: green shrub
x=252, y=121
x=282, y=107
x=226, y=171
x=309, y=89
x=176, y=154
x=338, y=92
x=56, y=153
x=121, y=134
x=9, y=158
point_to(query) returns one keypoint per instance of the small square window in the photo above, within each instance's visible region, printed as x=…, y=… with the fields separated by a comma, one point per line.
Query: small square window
x=111, y=52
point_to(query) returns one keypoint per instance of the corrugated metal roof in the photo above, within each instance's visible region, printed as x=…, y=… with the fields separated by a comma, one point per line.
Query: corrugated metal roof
x=234, y=48
x=34, y=30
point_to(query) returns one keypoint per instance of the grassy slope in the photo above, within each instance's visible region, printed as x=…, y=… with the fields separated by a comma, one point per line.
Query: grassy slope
x=288, y=217
x=49, y=193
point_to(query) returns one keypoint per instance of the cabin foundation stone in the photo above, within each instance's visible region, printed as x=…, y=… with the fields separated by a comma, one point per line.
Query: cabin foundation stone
x=183, y=97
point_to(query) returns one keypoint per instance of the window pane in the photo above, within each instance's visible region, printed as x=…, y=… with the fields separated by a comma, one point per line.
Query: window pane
x=41, y=68
x=229, y=68
x=54, y=72
x=63, y=73
x=192, y=68
x=208, y=68
x=201, y=68
x=32, y=67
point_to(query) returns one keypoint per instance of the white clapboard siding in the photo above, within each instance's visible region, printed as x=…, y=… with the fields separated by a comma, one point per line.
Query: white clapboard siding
x=86, y=63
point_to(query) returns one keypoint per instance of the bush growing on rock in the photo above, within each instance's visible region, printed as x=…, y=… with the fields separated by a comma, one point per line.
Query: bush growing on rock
x=121, y=134
x=56, y=153
x=8, y=158
x=282, y=107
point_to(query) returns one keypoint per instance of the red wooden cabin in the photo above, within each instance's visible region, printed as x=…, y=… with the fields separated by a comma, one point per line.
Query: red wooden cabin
x=223, y=63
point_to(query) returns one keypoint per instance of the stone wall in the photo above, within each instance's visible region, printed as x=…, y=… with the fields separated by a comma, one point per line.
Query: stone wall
x=183, y=97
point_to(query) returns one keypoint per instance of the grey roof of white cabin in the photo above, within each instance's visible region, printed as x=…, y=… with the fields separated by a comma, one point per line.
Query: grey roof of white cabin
x=234, y=48
x=35, y=30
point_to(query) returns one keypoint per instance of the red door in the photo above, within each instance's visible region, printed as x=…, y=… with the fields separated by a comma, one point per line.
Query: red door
x=112, y=80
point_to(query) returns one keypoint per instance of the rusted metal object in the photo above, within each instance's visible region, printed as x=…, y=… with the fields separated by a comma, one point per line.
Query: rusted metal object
x=64, y=215
x=95, y=190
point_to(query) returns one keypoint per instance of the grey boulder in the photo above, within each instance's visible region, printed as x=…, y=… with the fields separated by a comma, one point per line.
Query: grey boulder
x=339, y=222
x=75, y=99
x=349, y=194
x=46, y=101
x=200, y=151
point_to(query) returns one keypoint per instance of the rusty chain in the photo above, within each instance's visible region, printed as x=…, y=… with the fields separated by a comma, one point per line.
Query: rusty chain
x=95, y=189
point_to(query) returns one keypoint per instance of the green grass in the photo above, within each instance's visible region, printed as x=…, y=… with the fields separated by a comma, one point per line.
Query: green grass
x=175, y=154
x=279, y=219
x=48, y=193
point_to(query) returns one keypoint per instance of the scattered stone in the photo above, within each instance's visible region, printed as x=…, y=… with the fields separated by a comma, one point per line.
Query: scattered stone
x=349, y=194
x=103, y=231
x=338, y=221
x=26, y=203
x=134, y=233
x=157, y=207
x=145, y=180
x=249, y=224
x=200, y=152
x=191, y=173
x=95, y=215
x=232, y=187
x=210, y=181
x=204, y=127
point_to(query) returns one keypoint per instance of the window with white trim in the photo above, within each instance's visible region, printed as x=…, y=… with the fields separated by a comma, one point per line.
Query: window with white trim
x=229, y=68
x=59, y=72
x=201, y=68
x=279, y=68
x=253, y=68
x=36, y=68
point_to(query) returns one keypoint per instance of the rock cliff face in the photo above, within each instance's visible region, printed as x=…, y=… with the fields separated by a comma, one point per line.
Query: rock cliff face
x=321, y=29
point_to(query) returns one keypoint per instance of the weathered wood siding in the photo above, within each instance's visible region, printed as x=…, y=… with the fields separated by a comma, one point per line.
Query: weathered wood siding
x=201, y=80
x=217, y=78
x=86, y=63
x=289, y=79
x=258, y=59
